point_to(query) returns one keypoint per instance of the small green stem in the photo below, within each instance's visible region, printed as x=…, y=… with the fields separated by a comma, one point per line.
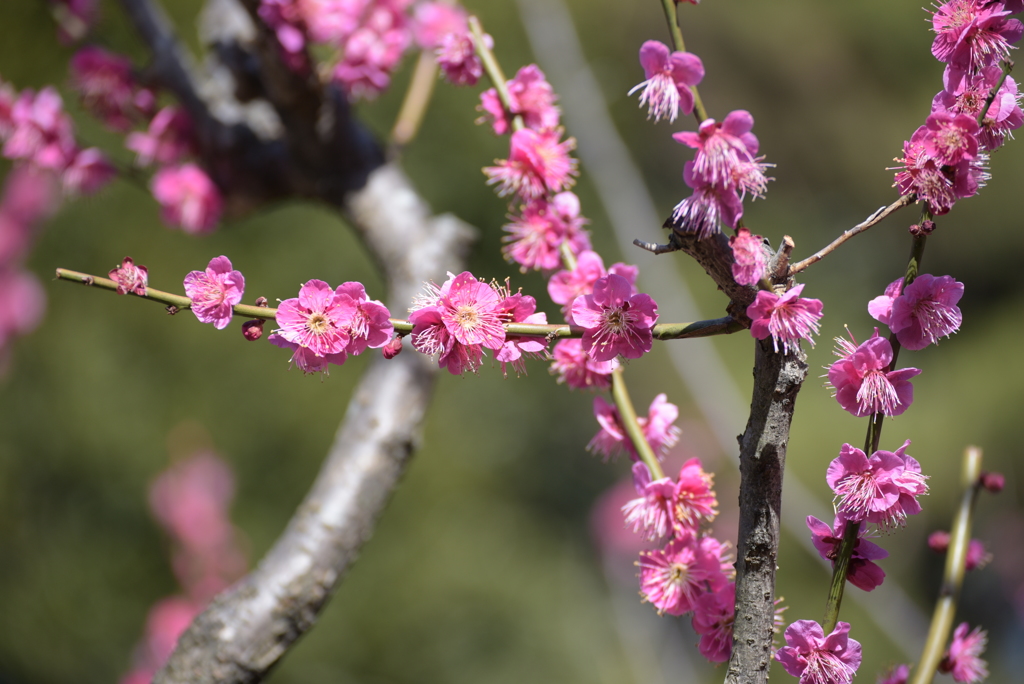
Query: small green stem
x=840, y=568
x=493, y=71
x=633, y=430
x=672, y=17
x=662, y=331
x=1007, y=66
x=953, y=576
x=568, y=258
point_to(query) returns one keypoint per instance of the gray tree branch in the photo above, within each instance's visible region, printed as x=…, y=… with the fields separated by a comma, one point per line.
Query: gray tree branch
x=321, y=152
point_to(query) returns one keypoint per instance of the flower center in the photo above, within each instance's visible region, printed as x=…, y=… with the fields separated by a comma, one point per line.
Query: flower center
x=467, y=317
x=318, y=323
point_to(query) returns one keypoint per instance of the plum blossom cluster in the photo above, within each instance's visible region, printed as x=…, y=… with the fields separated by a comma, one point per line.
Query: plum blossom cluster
x=946, y=159
x=36, y=131
x=324, y=326
x=786, y=318
x=369, y=38
x=29, y=196
x=459, y=319
x=190, y=500
x=692, y=572
x=106, y=83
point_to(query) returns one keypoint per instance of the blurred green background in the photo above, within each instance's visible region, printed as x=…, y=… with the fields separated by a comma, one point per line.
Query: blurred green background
x=483, y=567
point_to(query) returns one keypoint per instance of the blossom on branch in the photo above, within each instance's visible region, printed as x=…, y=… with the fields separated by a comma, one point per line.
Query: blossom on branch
x=316, y=326
x=882, y=489
x=673, y=578
x=215, y=292
x=972, y=34
x=925, y=311
x=537, y=233
x=748, y=266
x=537, y=164
x=657, y=427
x=862, y=572
x=565, y=286
x=787, y=318
x=862, y=382
x=130, y=277
x=668, y=79
x=574, y=367
x=966, y=93
x=963, y=658
x=615, y=321
x=108, y=89
x=819, y=659
x=187, y=197
x=530, y=96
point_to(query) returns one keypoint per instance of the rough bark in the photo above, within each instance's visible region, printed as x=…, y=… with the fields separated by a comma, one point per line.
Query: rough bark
x=315, y=149
x=777, y=380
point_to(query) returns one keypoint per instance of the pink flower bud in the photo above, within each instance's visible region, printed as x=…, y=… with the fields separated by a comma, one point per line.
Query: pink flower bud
x=253, y=330
x=938, y=541
x=392, y=348
x=993, y=482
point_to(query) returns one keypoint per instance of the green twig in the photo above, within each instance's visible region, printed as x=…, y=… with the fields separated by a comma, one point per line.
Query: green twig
x=493, y=71
x=629, y=423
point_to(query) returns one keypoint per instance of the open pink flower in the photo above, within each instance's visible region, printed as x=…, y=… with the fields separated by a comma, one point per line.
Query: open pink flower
x=963, y=659
x=615, y=321
x=882, y=489
x=862, y=572
x=169, y=138
x=966, y=93
x=862, y=384
x=130, y=277
x=537, y=233
x=680, y=506
x=657, y=427
x=925, y=311
x=520, y=308
x=215, y=292
x=537, y=164
x=713, y=618
x=788, y=318
x=817, y=659
x=694, y=501
x=42, y=132
x=565, y=286
x=674, y=577
x=318, y=320
x=724, y=150
x=650, y=515
x=187, y=197
x=938, y=186
x=370, y=326
x=574, y=367
x=748, y=265
x=972, y=34
x=531, y=97
x=669, y=76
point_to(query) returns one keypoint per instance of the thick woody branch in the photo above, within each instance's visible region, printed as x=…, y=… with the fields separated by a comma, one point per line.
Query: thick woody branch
x=777, y=380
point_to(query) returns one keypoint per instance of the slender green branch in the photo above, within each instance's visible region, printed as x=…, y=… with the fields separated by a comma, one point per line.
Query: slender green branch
x=1007, y=66
x=493, y=71
x=672, y=17
x=953, y=576
x=662, y=331
x=417, y=97
x=633, y=430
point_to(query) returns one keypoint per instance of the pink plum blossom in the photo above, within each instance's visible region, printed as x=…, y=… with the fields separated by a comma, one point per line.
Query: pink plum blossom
x=615, y=321
x=787, y=318
x=537, y=233
x=862, y=572
x=977, y=556
x=42, y=132
x=708, y=206
x=565, y=286
x=520, y=308
x=374, y=49
x=316, y=326
x=130, y=277
x=963, y=658
x=713, y=619
x=748, y=265
x=108, y=89
x=727, y=153
x=939, y=187
x=925, y=311
x=650, y=515
x=530, y=96
x=967, y=92
x=215, y=292
x=862, y=382
x=898, y=674
x=370, y=326
x=87, y=172
x=669, y=76
x=674, y=577
x=694, y=501
x=817, y=659
x=169, y=138
x=537, y=164
x=457, y=320
x=680, y=506
x=972, y=34
x=187, y=197
x=456, y=55
x=657, y=427
x=432, y=21
x=574, y=367
x=951, y=138
x=882, y=489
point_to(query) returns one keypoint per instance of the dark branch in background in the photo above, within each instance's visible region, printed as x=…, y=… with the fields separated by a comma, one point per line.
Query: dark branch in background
x=777, y=380
x=321, y=153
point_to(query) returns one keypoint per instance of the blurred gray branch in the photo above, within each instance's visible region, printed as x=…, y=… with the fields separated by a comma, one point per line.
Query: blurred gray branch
x=320, y=152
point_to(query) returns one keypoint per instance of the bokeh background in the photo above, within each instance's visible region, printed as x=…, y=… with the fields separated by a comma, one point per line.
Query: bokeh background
x=484, y=567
